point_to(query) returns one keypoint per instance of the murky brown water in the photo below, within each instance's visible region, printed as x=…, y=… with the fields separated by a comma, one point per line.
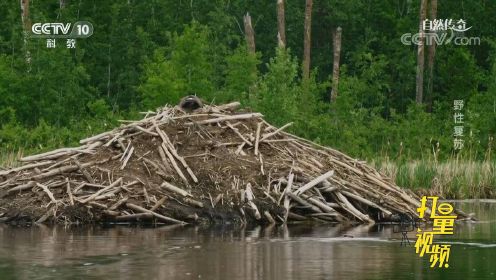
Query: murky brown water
x=295, y=252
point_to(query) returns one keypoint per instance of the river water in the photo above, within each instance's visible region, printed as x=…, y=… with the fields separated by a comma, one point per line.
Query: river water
x=294, y=252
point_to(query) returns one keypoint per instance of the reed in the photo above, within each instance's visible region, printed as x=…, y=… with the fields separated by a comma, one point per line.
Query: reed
x=452, y=178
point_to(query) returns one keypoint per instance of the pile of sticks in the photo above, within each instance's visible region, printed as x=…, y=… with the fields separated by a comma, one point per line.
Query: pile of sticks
x=178, y=167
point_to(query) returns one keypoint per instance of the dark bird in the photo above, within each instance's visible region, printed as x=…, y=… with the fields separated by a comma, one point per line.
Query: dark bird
x=190, y=103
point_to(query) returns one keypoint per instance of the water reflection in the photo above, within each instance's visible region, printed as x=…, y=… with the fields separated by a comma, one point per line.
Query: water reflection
x=276, y=252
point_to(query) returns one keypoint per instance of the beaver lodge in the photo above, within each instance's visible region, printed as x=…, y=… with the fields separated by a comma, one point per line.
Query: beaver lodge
x=212, y=165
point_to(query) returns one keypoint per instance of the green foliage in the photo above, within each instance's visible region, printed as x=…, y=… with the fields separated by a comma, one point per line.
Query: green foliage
x=145, y=54
x=183, y=69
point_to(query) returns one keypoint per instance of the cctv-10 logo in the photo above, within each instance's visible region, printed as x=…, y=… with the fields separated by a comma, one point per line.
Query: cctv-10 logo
x=80, y=29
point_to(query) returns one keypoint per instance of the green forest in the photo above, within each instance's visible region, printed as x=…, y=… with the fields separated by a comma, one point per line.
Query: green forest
x=145, y=54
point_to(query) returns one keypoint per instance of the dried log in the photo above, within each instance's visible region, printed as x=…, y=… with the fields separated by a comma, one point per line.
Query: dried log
x=348, y=206
x=366, y=201
x=229, y=118
x=249, y=198
x=268, y=135
x=24, y=167
x=48, y=192
x=239, y=134
x=314, y=182
x=134, y=217
x=193, y=202
x=161, y=217
x=269, y=217
x=168, y=186
x=304, y=203
x=257, y=137
x=159, y=203
x=118, y=203
x=99, y=192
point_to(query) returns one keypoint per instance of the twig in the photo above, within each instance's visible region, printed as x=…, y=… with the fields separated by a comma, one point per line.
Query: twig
x=257, y=137
x=161, y=217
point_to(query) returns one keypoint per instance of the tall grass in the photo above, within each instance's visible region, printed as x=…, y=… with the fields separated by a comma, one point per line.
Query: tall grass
x=451, y=179
x=9, y=159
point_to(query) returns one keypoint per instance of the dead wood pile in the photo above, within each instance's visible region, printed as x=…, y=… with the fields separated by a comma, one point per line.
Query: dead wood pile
x=211, y=165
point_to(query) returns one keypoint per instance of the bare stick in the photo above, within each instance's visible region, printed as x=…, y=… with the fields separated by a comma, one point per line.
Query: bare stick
x=48, y=192
x=314, y=182
x=161, y=217
x=257, y=137
x=159, y=203
x=366, y=201
x=69, y=192
x=134, y=217
x=193, y=202
x=269, y=217
x=26, y=186
x=239, y=134
x=249, y=197
x=229, y=118
x=27, y=166
x=275, y=132
x=172, y=188
x=127, y=158
x=353, y=210
x=174, y=164
x=99, y=192
x=118, y=203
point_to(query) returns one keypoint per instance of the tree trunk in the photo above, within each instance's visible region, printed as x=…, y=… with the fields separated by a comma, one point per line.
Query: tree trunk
x=307, y=39
x=431, y=53
x=249, y=33
x=420, y=54
x=281, y=24
x=26, y=25
x=335, y=65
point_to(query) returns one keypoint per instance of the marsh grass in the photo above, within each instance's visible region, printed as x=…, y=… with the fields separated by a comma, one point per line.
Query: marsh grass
x=9, y=159
x=451, y=179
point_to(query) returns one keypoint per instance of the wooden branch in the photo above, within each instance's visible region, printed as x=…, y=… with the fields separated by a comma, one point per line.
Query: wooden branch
x=269, y=217
x=239, y=134
x=249, y=197
x=99, y=192
x=130, y=153
x=168, y=186
x=24, y=167
x=57, y=171
x=48, y=192
x=118, y=203
x=229, y=118
x=353, y=210
x=366, y=201
x=159, y=216
x=193, y=202
x=174, y=164
x=134, y=217
x=22, y=187
x=314, y=182
x=268, y=135
x=257, y=137
x=304, y=203
x=159, y=203
x=69, y=192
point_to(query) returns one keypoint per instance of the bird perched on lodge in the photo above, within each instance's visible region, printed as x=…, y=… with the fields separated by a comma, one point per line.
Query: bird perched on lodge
x=190, y=103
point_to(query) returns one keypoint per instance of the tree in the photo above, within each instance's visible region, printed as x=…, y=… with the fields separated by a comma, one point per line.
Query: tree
x=307, y=39
x=420, y=54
